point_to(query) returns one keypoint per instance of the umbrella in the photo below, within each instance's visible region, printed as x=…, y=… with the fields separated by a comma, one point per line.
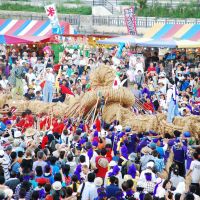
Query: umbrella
x=7, y=39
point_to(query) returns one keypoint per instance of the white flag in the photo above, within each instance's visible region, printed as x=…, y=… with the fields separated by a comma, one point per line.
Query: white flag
x=52, y=15
x=51, y=11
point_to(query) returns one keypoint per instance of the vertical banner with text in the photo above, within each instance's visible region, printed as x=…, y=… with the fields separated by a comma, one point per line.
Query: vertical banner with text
x=130, y=20
x=52, y=15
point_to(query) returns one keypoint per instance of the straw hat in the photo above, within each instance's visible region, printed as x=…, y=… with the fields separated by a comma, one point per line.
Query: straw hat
x=98, y=181
x=127, y=177
x=146, y=150
x=103, y=162
x=59, y=148
x=16, y=143
x=30, y=132
x=112, y=163
x=57, y=185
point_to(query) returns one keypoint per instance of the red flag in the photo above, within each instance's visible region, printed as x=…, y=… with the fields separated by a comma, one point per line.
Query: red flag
x=42, y=84
x=66, y=90
x=56, y=67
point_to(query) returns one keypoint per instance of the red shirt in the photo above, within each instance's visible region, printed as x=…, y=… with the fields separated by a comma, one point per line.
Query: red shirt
x=44, y=141
x=148, y=106
x=109, y=154
x=29, y=122
x=21, y=123
x=45, y=122
x=98, y=125
x=58, y=128
x=102, y=166
x=151, y=69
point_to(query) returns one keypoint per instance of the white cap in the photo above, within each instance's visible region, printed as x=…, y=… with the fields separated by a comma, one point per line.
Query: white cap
x=112, y=163
x=150, y=164
x=118, y=128
x=57, y=185
x=17, y=134
x=98, y=181
x=162, y=74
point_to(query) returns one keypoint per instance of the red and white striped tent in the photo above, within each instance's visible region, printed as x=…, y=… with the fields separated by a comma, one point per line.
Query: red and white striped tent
x=31, y=30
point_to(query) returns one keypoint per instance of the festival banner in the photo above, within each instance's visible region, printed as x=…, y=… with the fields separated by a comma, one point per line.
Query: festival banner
x=52, y=15
x=130, y=20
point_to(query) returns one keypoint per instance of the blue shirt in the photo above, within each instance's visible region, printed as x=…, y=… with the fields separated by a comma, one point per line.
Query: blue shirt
x=131, y=143
x=55, y=169
x=15, y=167
x=111, y=190
x=185, y=85
x=160, y=151
x=179, y=154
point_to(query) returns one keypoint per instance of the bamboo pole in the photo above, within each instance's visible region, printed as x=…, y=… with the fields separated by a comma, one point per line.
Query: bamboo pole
x=72, y=110
x=90, y=112
x=95, y=110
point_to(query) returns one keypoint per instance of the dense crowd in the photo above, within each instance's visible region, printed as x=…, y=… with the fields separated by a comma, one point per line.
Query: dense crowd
x=71, y=159
x=34, y=75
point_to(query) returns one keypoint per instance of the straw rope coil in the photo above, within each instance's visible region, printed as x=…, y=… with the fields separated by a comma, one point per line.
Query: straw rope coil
x=4, y=98
x=121, y=95
x=21, y=105
x=102, y=76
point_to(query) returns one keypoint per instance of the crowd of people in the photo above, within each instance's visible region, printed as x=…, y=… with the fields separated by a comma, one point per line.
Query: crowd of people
x=71, y=159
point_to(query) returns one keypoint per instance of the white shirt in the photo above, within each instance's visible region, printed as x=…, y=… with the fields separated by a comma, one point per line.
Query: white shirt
x=195, y=167
x=38, y=67
x=139, y=66
x=163, y=104
x=75, y=59
x=4, y=84
x=92, y=160
x=6, y=164
x=89, y=191
x=87, y=160
x=163, y=89
x=33, y=61
x=82, y=62
x=142, y=175
x=30, y=76
x=165, y=81
x=50, y=77
x=169, y=95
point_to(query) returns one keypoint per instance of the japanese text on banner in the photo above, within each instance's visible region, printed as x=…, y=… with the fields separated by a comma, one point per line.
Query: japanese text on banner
x=130, y=20
x=52, y=15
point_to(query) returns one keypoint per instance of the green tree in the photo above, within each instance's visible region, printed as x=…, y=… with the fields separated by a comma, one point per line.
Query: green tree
x=142, y=3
